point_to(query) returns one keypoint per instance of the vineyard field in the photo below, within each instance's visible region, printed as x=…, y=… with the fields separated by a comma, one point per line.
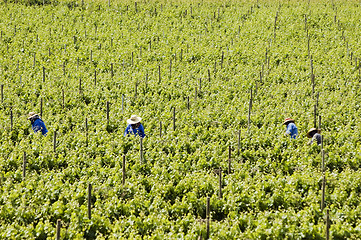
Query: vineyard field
x=213, y=82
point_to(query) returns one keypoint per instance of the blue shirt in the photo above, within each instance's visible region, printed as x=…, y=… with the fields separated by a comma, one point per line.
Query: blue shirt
x=137, y=131
x=38, y=125
x=292, y=130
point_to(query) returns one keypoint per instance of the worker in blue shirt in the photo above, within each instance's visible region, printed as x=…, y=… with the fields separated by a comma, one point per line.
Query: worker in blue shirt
x=291, y=128
x=134, y=127
x=36, y=123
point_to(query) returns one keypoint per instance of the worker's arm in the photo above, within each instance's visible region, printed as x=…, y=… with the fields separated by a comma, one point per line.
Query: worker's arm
x=141, y=131
x=126, y=130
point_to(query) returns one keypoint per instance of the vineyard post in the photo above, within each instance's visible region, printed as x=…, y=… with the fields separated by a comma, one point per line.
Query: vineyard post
x=64, y=68
x=41, y=107
x=24, y=165
x=141, y=150
x=317, y=97
x=136, y=89
x=209, y=76
x=107, y=112
x=2, y=93
x=319, y=122
x=54, y=141
x=132, y=58
x=327, y=224
x=160, y=128
x=207, y=216
x=188, y=102
x=159, y=74
x=43, y=74
x=323, y=160
x=181, y=54
x=229, y=159
x=122, y=103
x=222, y=59
x=58, y=227
x=314, y=115
x=62, y=93
x=170, y=69
x=249, y=112
x=91, y=55
x=322, y=141
x=173, y=118
x=95, y=77
x=239, y=141
x=79, y=85
x=11, y=119
x=89, y=200
x=220, y=183
x=86, y=131
x=123, y=170
x=323, y=193
x=111, y=70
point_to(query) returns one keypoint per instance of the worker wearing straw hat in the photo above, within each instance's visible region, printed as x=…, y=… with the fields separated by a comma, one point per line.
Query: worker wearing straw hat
x=291, y=128
x=314, y=133
x=134, y=126
x=36, y=123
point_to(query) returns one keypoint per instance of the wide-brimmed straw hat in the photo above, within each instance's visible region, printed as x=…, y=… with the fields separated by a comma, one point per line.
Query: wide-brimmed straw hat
x=288, y=120
x=311, y=131
x=134, y=119
x=32, y=114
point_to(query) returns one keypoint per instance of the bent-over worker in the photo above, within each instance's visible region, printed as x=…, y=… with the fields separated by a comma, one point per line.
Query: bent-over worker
x=314, y=133
x=291, y=128
x=134, y=126
x=37, y=124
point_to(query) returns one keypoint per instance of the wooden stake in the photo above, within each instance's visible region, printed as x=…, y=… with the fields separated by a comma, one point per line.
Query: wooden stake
x=160, y=128
x=107, y=112
x=123, y=170
x=327, y=225
x=95, y=77
x=58, y=227
x=173, y=118
x=122, y=103
x=141, y=150
x=314, y=116
x=249, y=112
x=62, y=93
x=188, y=102
x=89, y=200
x=222, y=60
x=24, y=165
x=323, y=193
x=170, y=69
x=86, y=131
x=229, y=159
x=319, y=122
x=2, y=93
x=159, y=74
x=41, y=107
x=79, y=85
x=220, y=183
x=11, y=120
x=239, y=140
x=43, y=74
x=209, y=76
x=323, y=160
x=54, y=141
x=208, y=216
